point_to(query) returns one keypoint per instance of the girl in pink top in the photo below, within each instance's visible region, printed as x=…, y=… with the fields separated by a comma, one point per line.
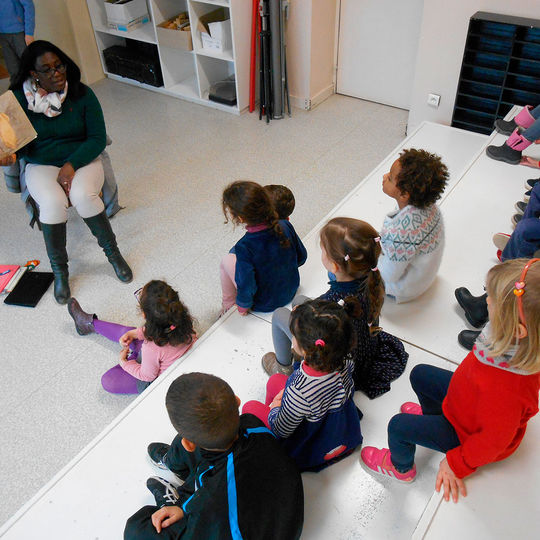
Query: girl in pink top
x=146, y=351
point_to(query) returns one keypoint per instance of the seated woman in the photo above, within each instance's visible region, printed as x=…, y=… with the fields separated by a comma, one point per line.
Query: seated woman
x=62, y=162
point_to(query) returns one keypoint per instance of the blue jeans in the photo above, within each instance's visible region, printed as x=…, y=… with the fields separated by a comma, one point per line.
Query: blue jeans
x=532, y=133
x=525, y=239
x=431, y=429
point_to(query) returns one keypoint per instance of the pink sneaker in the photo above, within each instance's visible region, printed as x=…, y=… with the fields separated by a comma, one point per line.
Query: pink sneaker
x=410, y=408
x=377, y=461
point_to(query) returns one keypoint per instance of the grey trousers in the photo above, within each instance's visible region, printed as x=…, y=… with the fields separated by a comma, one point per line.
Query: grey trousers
x=281, y=334
x=13, y=46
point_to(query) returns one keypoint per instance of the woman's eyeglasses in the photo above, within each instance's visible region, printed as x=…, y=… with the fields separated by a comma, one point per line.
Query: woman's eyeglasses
x=137, y=294
x=49, y=72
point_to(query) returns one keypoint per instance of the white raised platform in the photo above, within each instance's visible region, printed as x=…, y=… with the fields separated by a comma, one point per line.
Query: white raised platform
x=97, y=491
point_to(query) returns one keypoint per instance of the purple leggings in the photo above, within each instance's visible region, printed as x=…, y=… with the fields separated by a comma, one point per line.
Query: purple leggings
x=116, y=380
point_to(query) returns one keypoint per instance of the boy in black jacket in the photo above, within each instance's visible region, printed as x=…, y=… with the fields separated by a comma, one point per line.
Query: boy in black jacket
x=238, y=481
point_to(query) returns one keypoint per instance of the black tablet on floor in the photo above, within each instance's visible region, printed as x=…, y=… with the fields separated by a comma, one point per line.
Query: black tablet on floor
x=30, y=288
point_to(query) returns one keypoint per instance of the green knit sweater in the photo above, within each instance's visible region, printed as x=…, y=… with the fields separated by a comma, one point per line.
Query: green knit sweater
x=76, y=136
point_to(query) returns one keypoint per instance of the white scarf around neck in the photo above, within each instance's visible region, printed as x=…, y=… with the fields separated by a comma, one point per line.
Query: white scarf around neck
x=41, y=101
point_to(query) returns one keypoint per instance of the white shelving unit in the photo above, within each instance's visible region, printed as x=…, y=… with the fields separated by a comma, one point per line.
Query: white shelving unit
x=186, y=74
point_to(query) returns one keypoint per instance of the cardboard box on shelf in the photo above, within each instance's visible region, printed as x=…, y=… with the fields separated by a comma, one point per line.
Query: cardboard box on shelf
x=126, y=15
x=215, y=30
x=169, y=35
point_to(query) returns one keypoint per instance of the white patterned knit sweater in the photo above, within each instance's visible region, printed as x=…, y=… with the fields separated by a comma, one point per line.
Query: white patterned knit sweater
x=412, y=241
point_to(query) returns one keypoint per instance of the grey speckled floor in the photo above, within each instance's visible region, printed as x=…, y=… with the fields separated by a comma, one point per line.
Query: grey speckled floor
x=172, y=160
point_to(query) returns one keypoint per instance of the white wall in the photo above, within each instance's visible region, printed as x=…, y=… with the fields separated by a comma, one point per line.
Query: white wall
x=310, y=50
x=440, y=51
x=66, y=23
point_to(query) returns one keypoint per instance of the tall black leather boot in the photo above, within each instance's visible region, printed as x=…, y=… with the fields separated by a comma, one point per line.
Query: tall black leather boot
x=475, y=307
x=55, y=242
x=100, y=227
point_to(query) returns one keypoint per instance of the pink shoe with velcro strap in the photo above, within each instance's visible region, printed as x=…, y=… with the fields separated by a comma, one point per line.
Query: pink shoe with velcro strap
x=377, y=461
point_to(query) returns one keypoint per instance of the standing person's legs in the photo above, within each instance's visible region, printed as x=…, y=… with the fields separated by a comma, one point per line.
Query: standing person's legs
x=227, y=269
x=13, y=46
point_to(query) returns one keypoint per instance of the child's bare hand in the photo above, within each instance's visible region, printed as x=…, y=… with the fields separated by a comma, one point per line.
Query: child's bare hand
x=124, y=354
x=452, y=485
x=126, y=339
x=530, y=162
x=165, y=516
x=276, y=402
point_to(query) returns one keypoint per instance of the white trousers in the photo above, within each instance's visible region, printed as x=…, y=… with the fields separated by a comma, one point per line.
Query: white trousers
x=51, y=198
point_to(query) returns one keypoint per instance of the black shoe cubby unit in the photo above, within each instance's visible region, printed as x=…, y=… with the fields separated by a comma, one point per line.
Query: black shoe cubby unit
x=500, y=69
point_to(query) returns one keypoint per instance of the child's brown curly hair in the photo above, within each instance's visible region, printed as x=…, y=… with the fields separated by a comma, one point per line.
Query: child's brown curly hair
x=423, y=176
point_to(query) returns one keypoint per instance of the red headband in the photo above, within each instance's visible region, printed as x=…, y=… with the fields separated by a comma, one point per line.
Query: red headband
x=519, y=289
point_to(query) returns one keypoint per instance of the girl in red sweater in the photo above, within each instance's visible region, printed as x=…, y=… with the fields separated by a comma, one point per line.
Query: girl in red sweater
x=479, y=413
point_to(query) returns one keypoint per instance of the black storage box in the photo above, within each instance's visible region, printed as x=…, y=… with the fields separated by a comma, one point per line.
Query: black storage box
x=141, y=65
x=223, y=92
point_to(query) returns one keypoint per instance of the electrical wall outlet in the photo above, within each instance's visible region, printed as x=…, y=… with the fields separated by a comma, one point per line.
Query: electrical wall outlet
x=433, y=100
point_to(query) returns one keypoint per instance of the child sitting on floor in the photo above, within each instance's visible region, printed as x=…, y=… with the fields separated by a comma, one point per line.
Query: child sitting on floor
x=282, y=198
x=313, y=410
x=478, y=414
x=350, y=250
x=261, y=271
x=412, y=236
x=238, y=481
x=149, y=350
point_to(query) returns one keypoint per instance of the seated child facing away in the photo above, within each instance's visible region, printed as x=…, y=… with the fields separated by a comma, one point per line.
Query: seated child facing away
x=478, y=414
x=238, y=481
x=282, y=198
x=350, y=249
x=412, y=236
x=313, y=411
x=261, y=271
x=149, y=350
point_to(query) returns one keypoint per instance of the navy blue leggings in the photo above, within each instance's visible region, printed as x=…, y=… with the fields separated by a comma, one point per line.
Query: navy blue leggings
x=431, y=429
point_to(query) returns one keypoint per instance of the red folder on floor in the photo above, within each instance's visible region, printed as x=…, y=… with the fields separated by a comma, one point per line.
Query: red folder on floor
x=7, y=271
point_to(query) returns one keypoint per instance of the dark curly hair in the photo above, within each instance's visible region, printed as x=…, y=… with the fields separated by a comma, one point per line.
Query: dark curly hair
x=168, y=321
x=423, y=176
x=354, y=245
x=327, y=321
x=250, y=202
x=28, y=63
x=282, y=198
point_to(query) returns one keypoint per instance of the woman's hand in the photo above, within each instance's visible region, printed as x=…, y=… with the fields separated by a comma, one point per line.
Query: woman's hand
x=127, y=338
x=65, y=176
x=452, y=485
x=8, y=160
